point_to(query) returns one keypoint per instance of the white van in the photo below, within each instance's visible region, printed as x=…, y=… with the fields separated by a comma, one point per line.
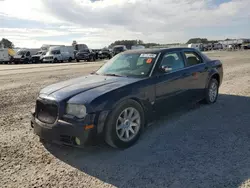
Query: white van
x=58, y=54
x=24, y=55
x=197, y=46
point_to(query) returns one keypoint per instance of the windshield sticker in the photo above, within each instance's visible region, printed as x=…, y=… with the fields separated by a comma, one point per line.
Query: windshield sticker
x=148, y=55
x=149, y=60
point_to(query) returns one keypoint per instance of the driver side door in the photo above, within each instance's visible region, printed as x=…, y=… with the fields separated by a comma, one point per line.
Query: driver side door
x=172, y=86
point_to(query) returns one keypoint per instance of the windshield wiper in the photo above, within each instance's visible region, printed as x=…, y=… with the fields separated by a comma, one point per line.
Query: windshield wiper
x=111, y=74
x=94, y=73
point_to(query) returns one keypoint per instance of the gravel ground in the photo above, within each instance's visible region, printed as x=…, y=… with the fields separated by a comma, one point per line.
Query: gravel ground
x=200, y=146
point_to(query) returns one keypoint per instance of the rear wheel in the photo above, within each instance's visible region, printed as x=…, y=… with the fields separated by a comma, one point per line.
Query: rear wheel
x=212, y=91
x=77, y=60
x=124, y=124
x=70, y=59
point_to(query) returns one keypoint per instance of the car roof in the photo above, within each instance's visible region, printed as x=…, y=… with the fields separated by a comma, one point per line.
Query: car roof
x=156, y=50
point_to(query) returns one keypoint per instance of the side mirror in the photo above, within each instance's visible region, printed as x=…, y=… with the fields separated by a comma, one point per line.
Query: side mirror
x=165, y=69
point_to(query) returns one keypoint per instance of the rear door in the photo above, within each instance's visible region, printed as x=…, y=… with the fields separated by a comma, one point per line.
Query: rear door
x=197, y=70
x=171, y=88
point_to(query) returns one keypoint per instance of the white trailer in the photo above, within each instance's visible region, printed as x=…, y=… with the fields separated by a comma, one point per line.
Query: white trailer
x=4, y=55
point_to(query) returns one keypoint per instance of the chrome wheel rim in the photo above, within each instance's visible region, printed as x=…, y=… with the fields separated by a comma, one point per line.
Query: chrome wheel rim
x=213, y=91
x=128, y=124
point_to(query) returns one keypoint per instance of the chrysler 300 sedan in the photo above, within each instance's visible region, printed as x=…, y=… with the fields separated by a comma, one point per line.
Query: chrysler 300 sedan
x=117, y=101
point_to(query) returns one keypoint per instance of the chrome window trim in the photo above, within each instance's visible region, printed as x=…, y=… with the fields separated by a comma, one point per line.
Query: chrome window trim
x=156, y=61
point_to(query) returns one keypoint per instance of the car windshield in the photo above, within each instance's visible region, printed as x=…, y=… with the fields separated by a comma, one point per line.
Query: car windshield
x=129, y=64
x=54, y=52
x=21, y=52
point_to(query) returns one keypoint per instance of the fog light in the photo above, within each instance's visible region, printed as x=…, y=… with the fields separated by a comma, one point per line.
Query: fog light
x=78, y=141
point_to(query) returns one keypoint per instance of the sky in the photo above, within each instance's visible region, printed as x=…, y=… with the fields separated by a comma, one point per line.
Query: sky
x=98, y=23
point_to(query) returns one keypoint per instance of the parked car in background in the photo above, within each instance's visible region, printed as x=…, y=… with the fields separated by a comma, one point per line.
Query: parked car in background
x=104, y=54
x=134, y=47
x=79, y=47
x=96, y=52
x=118, y=49
x=86, y=55
x=38, y=57
x=246, y=47
x=124, y=95
x=24, y=55
x=217, y=46
x=58, y=54
x=197, y=46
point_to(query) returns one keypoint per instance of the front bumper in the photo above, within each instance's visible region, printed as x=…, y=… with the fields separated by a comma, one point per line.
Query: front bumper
x=74, y=133
x=82, y=57
x=48, y=60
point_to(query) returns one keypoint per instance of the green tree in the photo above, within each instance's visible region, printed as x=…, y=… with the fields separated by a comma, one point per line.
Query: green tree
x=129, y=43
x=6, y=43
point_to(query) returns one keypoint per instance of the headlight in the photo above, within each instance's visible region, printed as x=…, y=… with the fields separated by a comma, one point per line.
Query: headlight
x=77, y=110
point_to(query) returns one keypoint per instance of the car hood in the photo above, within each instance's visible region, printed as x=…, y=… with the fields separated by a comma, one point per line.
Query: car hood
x=18, y=56
x=70, y=88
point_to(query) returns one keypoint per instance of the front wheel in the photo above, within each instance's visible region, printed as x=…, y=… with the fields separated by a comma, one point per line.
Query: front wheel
x=124, y=124
x=212, y=91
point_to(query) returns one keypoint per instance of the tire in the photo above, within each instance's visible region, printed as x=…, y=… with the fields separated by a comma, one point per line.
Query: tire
x=70, y=59
x=55, y=60
x=26, y=61
x=212, y=92
x=113, y=134
x=77, y=60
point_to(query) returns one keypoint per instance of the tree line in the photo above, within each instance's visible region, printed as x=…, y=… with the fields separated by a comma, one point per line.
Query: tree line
x=6, y=43
x=130, y=43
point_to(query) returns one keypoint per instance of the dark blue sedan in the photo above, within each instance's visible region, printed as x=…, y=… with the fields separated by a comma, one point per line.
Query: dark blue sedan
x=124, y=95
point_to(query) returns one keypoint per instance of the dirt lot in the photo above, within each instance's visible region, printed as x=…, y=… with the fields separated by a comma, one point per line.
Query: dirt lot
x=201, y=146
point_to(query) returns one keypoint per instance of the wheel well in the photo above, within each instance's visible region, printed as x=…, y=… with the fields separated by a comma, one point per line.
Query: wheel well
x=217, y=77
x=134, y=99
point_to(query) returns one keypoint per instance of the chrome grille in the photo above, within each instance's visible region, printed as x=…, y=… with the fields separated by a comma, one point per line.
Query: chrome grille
x=46, y=111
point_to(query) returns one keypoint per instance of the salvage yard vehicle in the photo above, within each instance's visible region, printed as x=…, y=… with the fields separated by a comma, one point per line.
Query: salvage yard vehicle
x=24, y=56
x=104, y=54
x=86, y=55
x=118, y=49
x=38, y=57
x=117, y=101
x=58, y=54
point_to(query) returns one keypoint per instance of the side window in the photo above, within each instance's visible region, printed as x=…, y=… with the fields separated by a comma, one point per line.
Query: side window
x=192, y=58
x=58, y=52
x=172, y=60
x=28, y=54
